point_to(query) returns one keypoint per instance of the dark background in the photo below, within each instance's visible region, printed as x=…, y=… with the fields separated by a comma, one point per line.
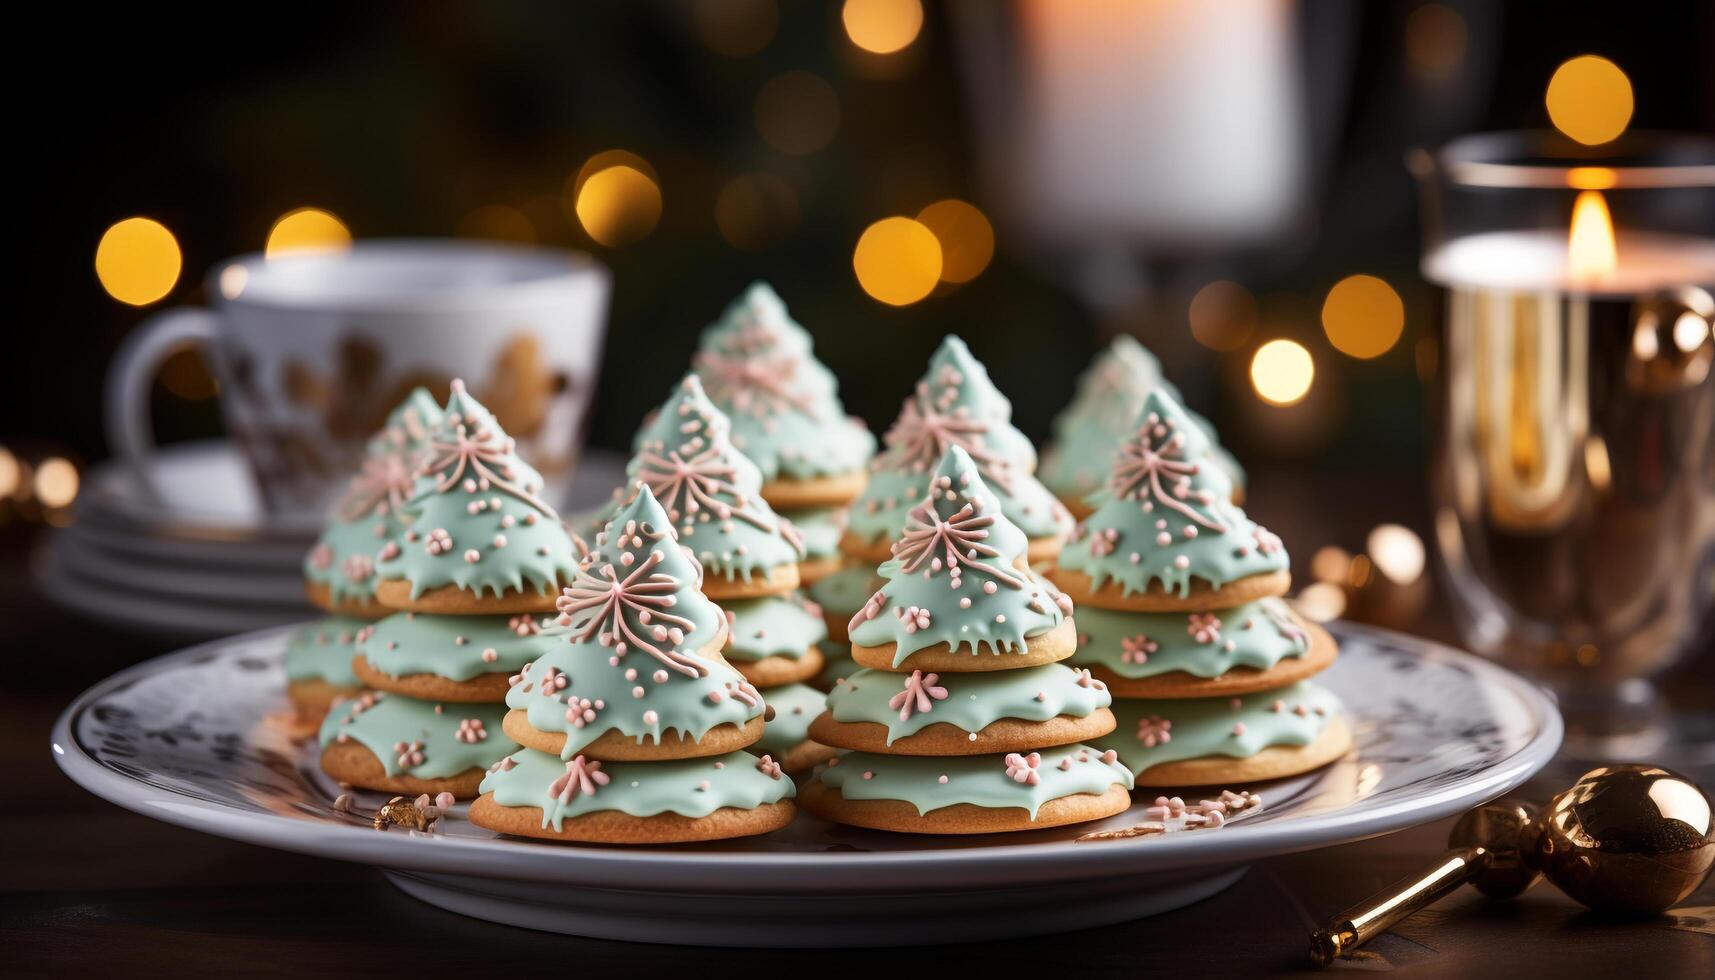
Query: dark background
x=401, y=118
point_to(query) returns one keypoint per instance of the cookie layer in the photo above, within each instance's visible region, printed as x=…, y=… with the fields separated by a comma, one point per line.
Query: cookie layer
x=1055, y=645
x=417, y=739
x=323, y=650
x=1153, y=733
x=1275, y=762
x=538, y=795
x=1257, y=646
x=786, y=736
x=832, y=490
x=964, y=714
x=453, y=658
x=353, y=764
x=617, y=746
x=1198, y=596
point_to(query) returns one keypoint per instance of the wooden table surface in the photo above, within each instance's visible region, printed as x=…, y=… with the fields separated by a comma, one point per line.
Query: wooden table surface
x=88, y=888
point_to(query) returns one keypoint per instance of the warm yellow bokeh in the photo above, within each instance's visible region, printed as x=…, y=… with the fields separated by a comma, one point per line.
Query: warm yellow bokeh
x=138, y=261
x=1363, y=316
x=11, y=473
x=307, y=230
x=1281, y=372
x=618, y=204
x=882, y=26
x=966, y=237
x=1590, y=99
x=1222, y=315
x=797, y=112
x=56, y=482
x=897, y=261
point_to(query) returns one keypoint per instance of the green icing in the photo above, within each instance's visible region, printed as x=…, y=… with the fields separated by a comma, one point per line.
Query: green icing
x=380, y=722
x=773, y=626
x=1166, y=516
x=632, y=623
x=689, y=787
x=844, y=592
x=757, y=365
x=954, y=403
x=344, y=557
x=408, y=427
x=837, y=665
x=455, y=647
x=322, y=651
x=1235, y=727
x=930, y=783
x=1137, y=645
x=1087, y=432
x=969, y=702
x=476, y=518
x=984, y=600
x=795, y=706
x=710, y=489
x=821, y=528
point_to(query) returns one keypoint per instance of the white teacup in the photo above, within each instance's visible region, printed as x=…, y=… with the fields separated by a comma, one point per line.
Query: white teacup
x=312, y=350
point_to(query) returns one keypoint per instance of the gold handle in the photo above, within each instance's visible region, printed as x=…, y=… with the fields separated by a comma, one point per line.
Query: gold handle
x=1359, y=924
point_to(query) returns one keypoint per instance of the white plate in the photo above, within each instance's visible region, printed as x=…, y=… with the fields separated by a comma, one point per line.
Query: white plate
x=185, y=739
x=154, y=615
x=83, y=557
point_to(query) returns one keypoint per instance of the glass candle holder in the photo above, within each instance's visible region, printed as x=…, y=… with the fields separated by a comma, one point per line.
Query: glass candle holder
x=1574, y=470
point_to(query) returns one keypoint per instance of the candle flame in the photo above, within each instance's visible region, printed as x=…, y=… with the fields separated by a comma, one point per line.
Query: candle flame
x=1590, y=245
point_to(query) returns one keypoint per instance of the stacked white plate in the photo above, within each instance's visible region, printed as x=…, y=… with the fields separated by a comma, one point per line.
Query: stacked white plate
x=199, y=557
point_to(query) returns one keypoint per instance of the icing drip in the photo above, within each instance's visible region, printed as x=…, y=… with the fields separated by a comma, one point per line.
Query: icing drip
x=930, y=783
x=1257, y=635
x=908, y=703
x=690, y=787
x=323, y=651
x=1151, y=732
x=420, y=738
x=794, y=707
x=458, y=648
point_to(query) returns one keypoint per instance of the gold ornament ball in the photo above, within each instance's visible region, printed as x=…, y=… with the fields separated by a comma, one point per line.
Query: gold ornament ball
x=1503, y=829
x=1627, y=839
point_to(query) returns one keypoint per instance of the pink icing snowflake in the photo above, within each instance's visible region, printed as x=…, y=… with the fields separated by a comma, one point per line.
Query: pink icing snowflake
x=476, y=457
x=914, y=617
x=1155, y=454
x=321, y=557
x=1136, y=649
x=1022, y=768
x=582, y=711
x=954, y=543
x=438, y=542
x=1204, y=627
x=920, y=694
x=471, y=731
x=768, y=767
x=1153, y=731
x=384, y=482
x=630, y=612
x=410, y=754
x=923, y=433
x=582, y=776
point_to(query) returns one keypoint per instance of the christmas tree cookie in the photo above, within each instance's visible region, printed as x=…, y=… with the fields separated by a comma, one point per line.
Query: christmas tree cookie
x=711, y=494
x=963, y=721
x=954, y=404
x=1090, y=430
x=478, y=537
x=634, y=724
x=756, y=364
x=821, y=529
x=318, y=665
x=339, y=571
x=1179, y=615
x=398, y=744
x=1167, y=536
x=465, y=659
x=958, y=594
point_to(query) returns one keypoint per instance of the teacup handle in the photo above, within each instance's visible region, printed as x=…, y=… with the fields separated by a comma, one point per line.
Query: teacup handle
x=130, y=430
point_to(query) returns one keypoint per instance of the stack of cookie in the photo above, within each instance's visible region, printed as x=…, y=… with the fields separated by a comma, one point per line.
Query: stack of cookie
x=339, y=571
x=963, y=720
x=953, y=404
x=1090, y=429
x=477, y=558
x=634, y=723
x=757, y=366
x=1179, y=612
x=750, y=556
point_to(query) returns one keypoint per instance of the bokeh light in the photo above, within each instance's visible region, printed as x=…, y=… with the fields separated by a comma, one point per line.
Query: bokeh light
x=11, y=473
x=1435, y=39
x=1363, y=316
x=1397, y=552
x=797, y=112
x=966, y=237
x=1282, y=371
x=307, y=230
x=1223, y=314
x=1590, y=99
x=616, y=198
x=897, y=261
x=882, y=26
x=735, y=28
x=1321, y=602
x=500, y=223
x=756, y=211
x=56, y=482
x=138, y=261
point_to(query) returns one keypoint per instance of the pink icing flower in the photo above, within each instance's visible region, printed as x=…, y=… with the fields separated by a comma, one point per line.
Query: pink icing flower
x=920, y=694
x=410, y=754
x=1022, y=768
x=553, y=682
x=1103, y=542
x=358, y=568
x=471, y=731
x=582, y=711
x=768, y=767
x=582, y=776
x=523, y=625
x=321, y=557
x=1153, y=731
x=1204, y=627
x=388, y=552
x=914, y=617
x=438, y=541
x=1087, y=679
x=1136, y=649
